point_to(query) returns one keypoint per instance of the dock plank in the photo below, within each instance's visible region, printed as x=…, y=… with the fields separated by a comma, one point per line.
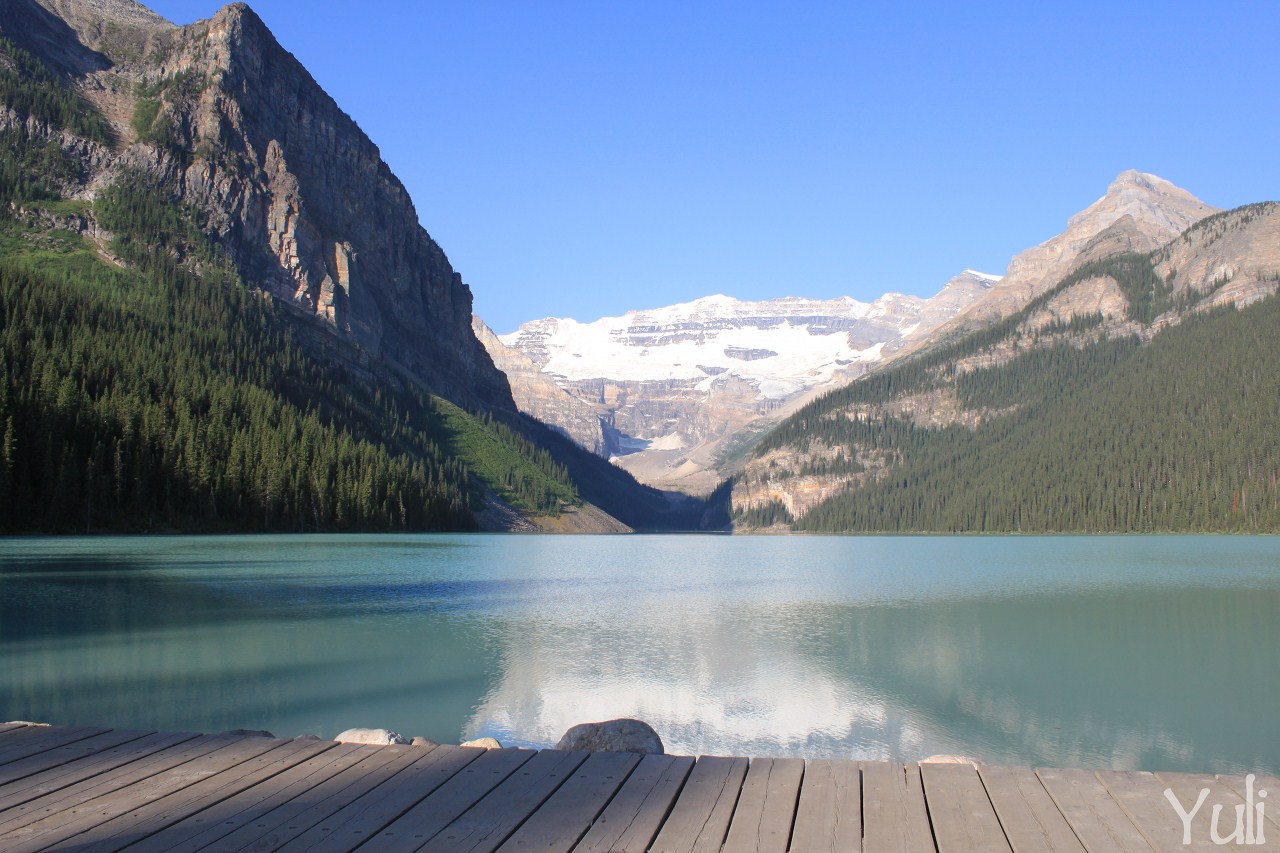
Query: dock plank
x=41, y=741
x=66, y=754
x=487, y=824
x=1141, y=796
x=59, y=777
x=634, y=816
x=364, y=817
x=1261, y=782
x=1097, y=819
x=467, y=787
x=285, y=823
x=135, y=770
x=766, y=807
x=1187, y=787
x=829, y=814
x=564, y=818
x=67, y=823
x=1028, y=814
x=9, y=727
x=894, y=816
x=141, y=823
x=700, y=818
x=964, y=821
x=209, y=826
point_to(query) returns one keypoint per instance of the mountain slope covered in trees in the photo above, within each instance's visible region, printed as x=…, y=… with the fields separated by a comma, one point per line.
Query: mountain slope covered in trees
x=195, y=339
x=1162, y=414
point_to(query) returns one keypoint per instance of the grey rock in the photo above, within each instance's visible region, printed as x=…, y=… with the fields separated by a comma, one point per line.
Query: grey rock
x=483, y=743
x=373, y=737
x=308, y=736
x=423, y=741
x=623, y=735
x=249, y=732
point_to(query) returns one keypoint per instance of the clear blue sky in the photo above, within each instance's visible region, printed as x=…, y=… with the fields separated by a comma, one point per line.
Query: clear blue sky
x=584, y=158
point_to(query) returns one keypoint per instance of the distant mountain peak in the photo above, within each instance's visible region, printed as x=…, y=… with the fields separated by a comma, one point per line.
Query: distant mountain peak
x=1153, y=202
x=1138, y=213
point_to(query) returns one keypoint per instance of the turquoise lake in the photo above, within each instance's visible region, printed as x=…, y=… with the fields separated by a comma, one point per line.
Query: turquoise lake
x=1157, y=653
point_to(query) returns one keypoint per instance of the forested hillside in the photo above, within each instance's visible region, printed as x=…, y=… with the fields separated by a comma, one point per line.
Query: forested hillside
x=145, y=385
x=1072, y=427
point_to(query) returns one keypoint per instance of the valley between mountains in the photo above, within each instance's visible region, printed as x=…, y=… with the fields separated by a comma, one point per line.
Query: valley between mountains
x=219, y=311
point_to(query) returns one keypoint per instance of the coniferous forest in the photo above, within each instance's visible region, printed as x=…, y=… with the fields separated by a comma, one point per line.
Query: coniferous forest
x=155, y=390
x=1178, y=434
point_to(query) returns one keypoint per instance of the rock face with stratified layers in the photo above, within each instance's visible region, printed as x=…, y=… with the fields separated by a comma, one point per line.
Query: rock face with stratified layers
x=227, y=122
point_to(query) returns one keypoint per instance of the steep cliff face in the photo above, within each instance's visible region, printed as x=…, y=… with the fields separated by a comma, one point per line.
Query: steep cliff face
x=218, y=115
x=538, y=395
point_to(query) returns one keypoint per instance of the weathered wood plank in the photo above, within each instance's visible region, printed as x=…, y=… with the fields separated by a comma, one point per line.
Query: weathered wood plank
x=1261, y=782
x=134, y=770
x=829, y=815
x=363, y=818
x=66, y=754
x=205, y=828
x=41, y=741
x=67, y=823
x=637, y=812
x=701, y=815
x=1141, y=796
x=488, y=823
x=766, y=807
x=1188, y=787
x=9, y=727
x=1030, y=819
x=963, y=818
x=57, y=778
x=467, y=787
x=142, y=822
x=567, y=814
x=285, y=823
x=894, y=815
x=1097, y=819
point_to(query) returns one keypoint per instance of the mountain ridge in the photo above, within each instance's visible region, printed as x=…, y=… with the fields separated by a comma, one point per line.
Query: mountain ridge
x=675, y=388
x=947, y=438
x=207, y=156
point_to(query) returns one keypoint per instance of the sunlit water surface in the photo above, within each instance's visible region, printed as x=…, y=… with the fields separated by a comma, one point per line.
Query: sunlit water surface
x=1127, y=652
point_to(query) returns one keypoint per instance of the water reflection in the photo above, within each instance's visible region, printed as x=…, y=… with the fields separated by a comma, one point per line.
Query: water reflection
x=1151, y=652
x=1123, y=668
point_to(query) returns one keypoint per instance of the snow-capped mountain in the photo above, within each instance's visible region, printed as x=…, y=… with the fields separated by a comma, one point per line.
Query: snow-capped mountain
x=677, y=388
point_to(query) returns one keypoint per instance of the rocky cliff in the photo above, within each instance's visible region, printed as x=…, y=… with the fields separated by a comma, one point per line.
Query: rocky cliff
x=222, y=119
x=538, y=395
x=1138, y=213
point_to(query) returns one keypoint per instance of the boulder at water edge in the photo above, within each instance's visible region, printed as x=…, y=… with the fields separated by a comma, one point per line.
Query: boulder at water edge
x=483, y=743
x=375, y=737
x=623, y=735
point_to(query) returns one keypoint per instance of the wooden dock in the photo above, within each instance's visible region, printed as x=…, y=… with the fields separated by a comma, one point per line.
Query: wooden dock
x=93, y=789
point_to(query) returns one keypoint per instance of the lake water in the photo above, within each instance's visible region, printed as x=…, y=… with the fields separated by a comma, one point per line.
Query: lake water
x=1125, y=652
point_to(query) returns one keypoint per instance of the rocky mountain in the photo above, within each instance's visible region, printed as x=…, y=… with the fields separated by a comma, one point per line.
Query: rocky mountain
x=537, y=394
x=676, y=390
x=207, y=153
x=1113, y=381
x=231, y=124
x=1139, y=213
